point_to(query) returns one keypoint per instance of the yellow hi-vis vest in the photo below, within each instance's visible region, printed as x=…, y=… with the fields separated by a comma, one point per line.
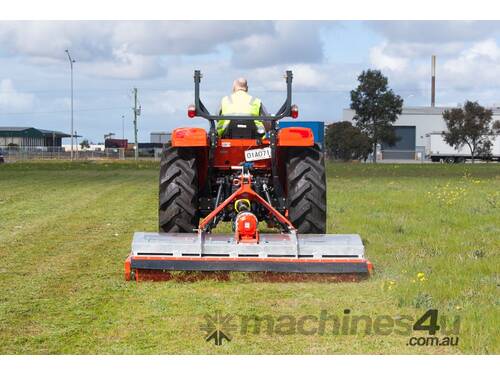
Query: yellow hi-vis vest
x=239, y=104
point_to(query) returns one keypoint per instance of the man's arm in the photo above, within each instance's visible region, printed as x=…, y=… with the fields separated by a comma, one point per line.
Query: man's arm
x=220, y=124
x=263, y=112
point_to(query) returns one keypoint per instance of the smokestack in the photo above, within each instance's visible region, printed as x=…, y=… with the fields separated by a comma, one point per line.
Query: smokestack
x=433, y=81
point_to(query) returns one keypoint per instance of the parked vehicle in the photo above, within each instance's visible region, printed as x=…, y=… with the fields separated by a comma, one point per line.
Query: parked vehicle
x=115, y=143
x=440, y=151
x=2, y=159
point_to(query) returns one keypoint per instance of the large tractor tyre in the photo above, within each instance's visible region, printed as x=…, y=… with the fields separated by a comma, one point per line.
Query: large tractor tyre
x=178, y=193
x=306, y=189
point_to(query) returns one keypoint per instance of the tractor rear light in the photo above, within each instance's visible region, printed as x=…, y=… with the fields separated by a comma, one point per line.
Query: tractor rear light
x=191, y=111
x=294, y=111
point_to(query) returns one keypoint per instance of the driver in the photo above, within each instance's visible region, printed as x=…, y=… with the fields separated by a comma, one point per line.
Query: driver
x=240, y=103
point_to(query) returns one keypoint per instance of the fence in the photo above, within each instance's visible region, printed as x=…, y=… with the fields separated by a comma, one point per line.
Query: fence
x=13, y=154
x=402, y=155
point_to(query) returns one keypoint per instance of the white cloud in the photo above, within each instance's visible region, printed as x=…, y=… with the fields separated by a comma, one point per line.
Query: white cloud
x=477, y=66
x=465, y=70
x=412, y=50
x=437, y=32
x=308, y=77
x=13, y=100
x=305, y=76
x=127, y=49
x=290, y=42
x=49, y=39
x=168, y=102
x=125, y=64
x=133, y=49
x=467, y=53
x=485, y=49
x=91, y=39
x=383, y=60
x=183, y=37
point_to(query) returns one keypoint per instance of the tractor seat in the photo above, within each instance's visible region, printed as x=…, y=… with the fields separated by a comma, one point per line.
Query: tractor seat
x=241, y=129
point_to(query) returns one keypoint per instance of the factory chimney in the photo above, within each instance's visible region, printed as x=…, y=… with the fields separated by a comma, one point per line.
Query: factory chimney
x=433, y=81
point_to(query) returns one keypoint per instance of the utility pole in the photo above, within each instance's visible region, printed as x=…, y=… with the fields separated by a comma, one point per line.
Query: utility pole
x=123, y=126
x=433, y=81
x=71, y=61
x=76, y=144
x=137, y=112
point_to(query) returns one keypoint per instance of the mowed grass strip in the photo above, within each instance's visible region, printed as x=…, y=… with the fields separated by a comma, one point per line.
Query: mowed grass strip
x=432, y=232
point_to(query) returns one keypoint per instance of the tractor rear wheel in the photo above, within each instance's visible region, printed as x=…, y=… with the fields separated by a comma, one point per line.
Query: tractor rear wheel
x=178, y=193
x=306, y=187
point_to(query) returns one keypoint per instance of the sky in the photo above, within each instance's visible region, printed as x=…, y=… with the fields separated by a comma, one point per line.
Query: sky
x=159, y=57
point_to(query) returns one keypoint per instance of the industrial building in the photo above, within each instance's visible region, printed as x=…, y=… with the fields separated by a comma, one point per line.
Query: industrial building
x=413, y=128
x=415, y=125
x=160, y=137
x=30, y=137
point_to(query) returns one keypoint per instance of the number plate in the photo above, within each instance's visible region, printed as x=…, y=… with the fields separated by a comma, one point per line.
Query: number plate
x=258, y=154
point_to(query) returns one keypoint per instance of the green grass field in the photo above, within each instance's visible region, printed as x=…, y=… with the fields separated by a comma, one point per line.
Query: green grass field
x=432, y=232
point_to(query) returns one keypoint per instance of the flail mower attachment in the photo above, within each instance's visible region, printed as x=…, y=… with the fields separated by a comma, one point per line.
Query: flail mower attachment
x=155, y=254
x=243, y=178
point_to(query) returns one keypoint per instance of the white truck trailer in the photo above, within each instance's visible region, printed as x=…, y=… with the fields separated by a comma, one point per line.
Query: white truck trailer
x=440, y=151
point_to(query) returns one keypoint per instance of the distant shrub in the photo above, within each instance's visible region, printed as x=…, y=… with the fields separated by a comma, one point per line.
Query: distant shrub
x=343, y=141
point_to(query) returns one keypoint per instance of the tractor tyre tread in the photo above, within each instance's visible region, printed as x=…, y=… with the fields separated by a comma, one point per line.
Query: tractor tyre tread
x=306, y=187
x=178, y=191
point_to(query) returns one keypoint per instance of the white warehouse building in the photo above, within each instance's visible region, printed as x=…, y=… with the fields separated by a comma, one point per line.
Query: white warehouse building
x=160, y=137
x=413, y=128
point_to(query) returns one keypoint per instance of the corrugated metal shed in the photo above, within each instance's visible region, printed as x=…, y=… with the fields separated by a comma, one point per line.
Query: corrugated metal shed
x=24, y=136
x=22, y=131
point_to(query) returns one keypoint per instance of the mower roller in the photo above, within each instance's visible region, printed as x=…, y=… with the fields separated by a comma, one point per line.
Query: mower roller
x=245, y=179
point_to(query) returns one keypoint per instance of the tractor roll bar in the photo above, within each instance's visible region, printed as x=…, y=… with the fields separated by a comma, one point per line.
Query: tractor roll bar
x=284, y=111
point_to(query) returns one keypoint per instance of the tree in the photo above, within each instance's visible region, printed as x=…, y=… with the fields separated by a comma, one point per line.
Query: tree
x=343, y=141
x=471, y=126
x=84, y=144
x=376, y=107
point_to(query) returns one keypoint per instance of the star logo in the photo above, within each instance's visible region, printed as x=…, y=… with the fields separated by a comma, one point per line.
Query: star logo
x=218, y=327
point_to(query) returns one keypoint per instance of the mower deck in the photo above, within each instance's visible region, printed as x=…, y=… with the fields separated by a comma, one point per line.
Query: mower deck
x=277, y=253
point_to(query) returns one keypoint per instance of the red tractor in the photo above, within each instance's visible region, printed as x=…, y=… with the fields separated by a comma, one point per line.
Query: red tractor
x=244, y=179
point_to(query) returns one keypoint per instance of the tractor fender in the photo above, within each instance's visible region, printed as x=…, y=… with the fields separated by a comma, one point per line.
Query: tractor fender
x=295, y=136
x=189, y=137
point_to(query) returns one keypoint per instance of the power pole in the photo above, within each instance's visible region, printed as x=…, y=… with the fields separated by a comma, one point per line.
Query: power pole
x=76, y=144
x=71, y=61
x=123, y=126
x=433, y=80
x=137, y=112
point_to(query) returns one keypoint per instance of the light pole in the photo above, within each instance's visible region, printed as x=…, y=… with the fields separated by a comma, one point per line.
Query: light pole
x=76, y=144
x=71, y=61
x=137, y=112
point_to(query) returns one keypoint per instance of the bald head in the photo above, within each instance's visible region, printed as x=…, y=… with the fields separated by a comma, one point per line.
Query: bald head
x=240, y=84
